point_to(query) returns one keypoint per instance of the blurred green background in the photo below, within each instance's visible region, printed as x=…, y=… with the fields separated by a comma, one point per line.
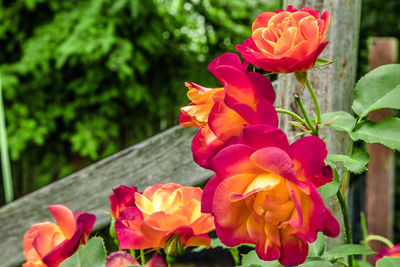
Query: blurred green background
x=85, y=79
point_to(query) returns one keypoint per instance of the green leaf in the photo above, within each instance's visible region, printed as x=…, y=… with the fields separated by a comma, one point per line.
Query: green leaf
x=355, y=164
x=385, y=132
x=93, y=254
x=317, y=263
x=341, y=121
x=388, y=262
x=320, y=62
x=330, y=189
x=252, y=260
x=380, y=88
x=317, y=248
x=345, y=250
x=363, y=263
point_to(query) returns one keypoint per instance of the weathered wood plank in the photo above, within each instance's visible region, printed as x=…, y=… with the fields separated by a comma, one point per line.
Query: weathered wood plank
x=163, y=158
x=380, y=174
x=333, y=84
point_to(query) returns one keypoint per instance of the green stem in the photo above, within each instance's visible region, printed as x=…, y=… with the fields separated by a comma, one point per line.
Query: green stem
x=315, y=100
x=142, y=258
x=342, y=263
x=304, y=112
x=364, y=232
x=132, y=251
x=382, y=239
x=347, y=172
x=170, y=260
x=292, y=114
x=235, y=254
x=345, y=213
x=5, y=161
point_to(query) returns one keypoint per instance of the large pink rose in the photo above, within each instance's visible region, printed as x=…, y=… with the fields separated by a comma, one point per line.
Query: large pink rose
x=264, y=192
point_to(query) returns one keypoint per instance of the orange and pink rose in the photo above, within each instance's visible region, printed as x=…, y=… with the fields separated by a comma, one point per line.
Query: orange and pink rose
x=245, y=99
x=286, y=40
x=163, y=212
x=48, y=244
x=264, y=192
x=388, y=252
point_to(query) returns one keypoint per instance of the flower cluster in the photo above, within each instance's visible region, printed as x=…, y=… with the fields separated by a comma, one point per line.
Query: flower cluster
x=264, y=190
x=164, y=216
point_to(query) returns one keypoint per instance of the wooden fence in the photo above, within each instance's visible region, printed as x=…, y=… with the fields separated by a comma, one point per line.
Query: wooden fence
x=163, y=158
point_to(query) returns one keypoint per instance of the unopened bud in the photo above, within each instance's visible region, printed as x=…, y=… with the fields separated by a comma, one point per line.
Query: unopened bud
x=174, y=246
x=301, y=77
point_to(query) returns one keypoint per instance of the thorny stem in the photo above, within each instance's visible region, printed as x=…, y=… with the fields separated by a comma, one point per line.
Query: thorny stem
x=304, y=112
x=292, y=114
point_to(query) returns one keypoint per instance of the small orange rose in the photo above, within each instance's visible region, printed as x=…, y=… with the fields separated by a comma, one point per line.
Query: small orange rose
x=286, y=40
x=163, y=212
x=47, y=244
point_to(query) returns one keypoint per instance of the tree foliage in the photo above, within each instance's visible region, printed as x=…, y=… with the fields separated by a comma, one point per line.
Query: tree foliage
x=84, y=79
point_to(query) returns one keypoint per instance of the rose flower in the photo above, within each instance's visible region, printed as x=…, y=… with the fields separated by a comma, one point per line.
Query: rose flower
x=48, y=244
x=286, y=40
x=160, y=215
x=245, y=99
x=388, y=252
x=122, y=198
x=264, y=192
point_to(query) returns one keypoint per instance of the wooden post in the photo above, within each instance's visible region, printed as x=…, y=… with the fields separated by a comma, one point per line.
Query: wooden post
x=333, y=84
x=380, y=174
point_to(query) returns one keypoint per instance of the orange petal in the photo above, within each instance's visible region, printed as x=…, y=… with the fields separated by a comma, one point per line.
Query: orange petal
x=65, y=219
x=41, y=238
x=262, y=20
x=225, y=122
x=165, y=222
x=285, y=42
x=278, y=18
x=203, y=224
x=197, y=241
x=310, y=31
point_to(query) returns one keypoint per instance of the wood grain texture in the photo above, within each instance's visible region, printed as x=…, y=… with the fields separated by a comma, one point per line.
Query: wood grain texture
x=333, y=84
x=163, y=158
x=380, y=174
